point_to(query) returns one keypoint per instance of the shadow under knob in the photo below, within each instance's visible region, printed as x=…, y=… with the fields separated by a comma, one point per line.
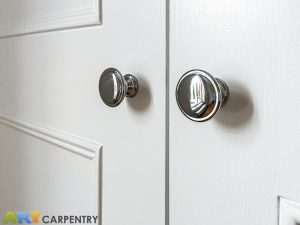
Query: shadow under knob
x=200, y=96
x=113, y=87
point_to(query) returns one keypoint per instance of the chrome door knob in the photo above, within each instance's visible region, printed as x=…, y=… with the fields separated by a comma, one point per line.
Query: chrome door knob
x=200, y=96
x=113, y=87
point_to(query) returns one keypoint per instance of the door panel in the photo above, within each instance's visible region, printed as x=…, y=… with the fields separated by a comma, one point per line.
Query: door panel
x=52, y=79
x=231, y=169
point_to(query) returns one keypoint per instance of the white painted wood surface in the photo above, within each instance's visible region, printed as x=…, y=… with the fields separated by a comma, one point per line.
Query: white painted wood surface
x=231, y=169
x=29, y=16
x=51, y=79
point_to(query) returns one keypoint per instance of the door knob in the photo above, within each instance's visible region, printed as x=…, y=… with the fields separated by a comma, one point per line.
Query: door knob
x=200, y=96
x=113, y=87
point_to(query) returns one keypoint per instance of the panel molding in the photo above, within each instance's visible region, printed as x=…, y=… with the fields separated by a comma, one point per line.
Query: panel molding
x=79, y=145
x=87, y=14
x=289, y=211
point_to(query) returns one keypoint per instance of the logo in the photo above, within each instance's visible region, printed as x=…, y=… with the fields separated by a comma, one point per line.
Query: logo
x=36, y=217
x=20, y=217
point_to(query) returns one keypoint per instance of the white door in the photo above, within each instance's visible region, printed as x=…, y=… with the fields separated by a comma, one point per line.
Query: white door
x=63, y=151
x=232, y=169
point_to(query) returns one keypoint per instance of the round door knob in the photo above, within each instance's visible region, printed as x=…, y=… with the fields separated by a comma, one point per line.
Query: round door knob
x=113, y=87
x=200, y=96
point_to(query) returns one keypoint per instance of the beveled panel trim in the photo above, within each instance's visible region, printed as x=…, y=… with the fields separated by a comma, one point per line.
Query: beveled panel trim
x=79, y=145
x=33, y=16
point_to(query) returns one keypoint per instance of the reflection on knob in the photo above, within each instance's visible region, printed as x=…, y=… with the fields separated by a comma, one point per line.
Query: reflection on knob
x=113, y=87
x=200, y=96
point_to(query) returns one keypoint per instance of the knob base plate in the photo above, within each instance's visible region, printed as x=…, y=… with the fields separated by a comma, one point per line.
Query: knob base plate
x=224, y=90
x=132, y=85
